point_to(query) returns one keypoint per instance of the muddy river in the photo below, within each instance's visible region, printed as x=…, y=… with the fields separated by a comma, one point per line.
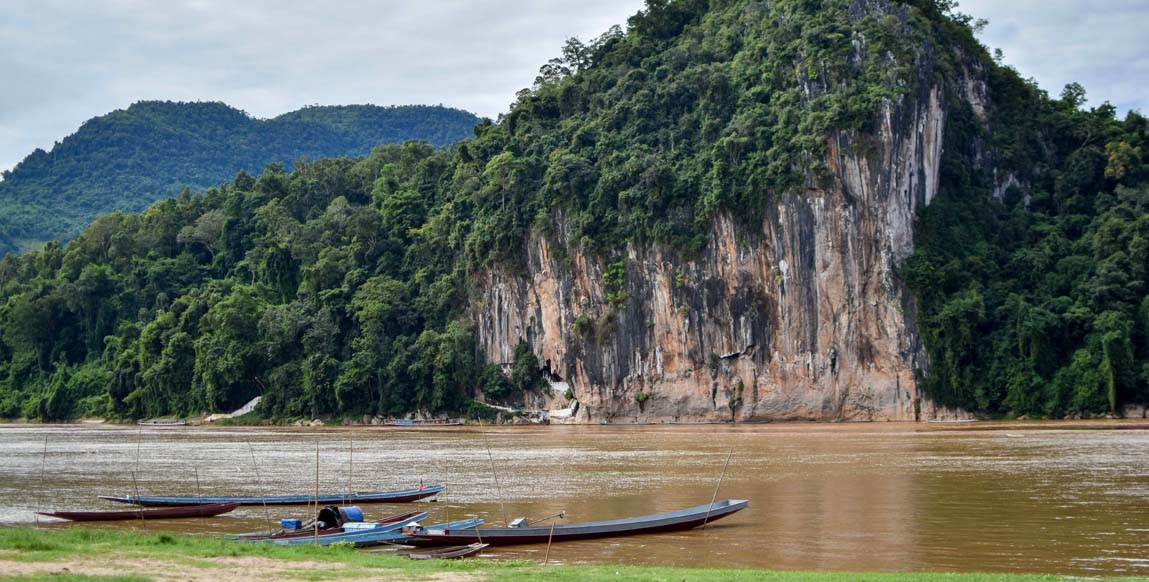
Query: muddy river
x=899, y=497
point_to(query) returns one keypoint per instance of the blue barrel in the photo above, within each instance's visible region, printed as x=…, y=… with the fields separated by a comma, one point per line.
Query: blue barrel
x=351, y=513
x=290, y=524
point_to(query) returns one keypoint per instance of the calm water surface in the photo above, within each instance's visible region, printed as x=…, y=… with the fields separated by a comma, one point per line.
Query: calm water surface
x=868, y=497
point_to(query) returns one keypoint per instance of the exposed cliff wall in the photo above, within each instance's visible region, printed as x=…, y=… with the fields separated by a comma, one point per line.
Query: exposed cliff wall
x=801, y=317
x=804, y=318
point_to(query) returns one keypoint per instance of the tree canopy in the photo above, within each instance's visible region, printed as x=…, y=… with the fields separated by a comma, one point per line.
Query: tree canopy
x=343, y=285
x=130, y=158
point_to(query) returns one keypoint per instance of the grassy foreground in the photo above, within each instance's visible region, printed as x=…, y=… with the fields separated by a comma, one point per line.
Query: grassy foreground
x=90, y=555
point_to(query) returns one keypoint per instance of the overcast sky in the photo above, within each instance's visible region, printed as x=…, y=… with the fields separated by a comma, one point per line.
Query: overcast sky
x=65, y=61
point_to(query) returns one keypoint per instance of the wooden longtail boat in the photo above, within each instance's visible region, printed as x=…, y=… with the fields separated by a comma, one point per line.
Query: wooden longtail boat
x=663, y=522
x=166, y=513
x=381, y=497
x=305, y=531
x=163, y=423
x=419, y=423
x=448, y=553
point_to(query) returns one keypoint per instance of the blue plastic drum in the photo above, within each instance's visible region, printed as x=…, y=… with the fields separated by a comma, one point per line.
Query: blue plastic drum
x=351, y=513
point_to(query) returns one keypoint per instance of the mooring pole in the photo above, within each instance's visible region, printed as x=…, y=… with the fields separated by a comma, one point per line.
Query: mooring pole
x=717, y=487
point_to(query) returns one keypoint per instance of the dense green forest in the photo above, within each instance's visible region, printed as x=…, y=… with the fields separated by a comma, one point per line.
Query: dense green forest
x=130, y=158
x=1036, y=302
x=342, y=286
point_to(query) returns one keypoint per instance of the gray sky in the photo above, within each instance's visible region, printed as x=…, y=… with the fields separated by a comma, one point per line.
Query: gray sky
x=65, y=61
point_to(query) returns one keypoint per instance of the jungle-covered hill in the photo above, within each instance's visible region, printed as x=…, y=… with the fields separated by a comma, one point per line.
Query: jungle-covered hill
x=343, y=285
x=152, y=150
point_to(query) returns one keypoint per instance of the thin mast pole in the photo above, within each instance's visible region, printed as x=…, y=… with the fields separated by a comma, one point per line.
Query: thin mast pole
x=316, y=528
x=350, y=467
x=259, y=483
x=550, y=538
x=43, y=466
x=495, y=472
x=135, y=479
x=198, y=492
x=715, y=496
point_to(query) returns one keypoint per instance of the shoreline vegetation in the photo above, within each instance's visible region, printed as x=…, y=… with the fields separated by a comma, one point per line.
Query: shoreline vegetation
x=96, y=555
x=343, y=424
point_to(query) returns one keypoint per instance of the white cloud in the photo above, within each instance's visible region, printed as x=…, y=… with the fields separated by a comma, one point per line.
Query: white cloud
x=63, y=62
x=1101, y=44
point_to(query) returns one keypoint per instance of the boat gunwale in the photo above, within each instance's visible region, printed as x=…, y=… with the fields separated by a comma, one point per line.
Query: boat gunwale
x=698, y=515
x=403, y=496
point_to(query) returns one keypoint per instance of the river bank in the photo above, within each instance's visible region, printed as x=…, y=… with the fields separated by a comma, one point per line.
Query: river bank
x=864, y=426
x=76, y=554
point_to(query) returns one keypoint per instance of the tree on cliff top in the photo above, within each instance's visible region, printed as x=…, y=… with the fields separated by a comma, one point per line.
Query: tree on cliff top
x=342, y=285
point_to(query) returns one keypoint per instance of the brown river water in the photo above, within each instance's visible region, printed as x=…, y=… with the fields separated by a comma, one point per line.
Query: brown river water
x=897, y=497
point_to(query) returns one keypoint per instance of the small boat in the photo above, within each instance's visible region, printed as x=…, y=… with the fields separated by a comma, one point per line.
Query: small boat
x=609, y=423
x=417, y=423
x=379, y=497
x=449, y=553
x=163, y=423
x=527, y=534
x=166, y=513
x=308, y=529
x=349, y=532
x=396, y=533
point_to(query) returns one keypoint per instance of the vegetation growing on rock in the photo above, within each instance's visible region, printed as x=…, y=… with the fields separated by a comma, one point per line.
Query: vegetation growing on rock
x=342, y=285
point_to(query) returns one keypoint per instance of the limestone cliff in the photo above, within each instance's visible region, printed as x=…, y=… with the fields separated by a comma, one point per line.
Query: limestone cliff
x=803, y=318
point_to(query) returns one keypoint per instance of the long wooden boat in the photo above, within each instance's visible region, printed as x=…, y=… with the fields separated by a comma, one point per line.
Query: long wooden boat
x=663, y=522
x=380, y=497
x=162, y=423
x=421, y=423
x=449, y=553
x=305, y=531
x=166, y=513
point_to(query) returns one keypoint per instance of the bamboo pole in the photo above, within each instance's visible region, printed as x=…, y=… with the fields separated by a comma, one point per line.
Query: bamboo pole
x=495, y=473
x=316, y=528
x=198, y=492
x=43, y=468
x=259, y=483
x=716, y=488
x=550, y=537
x=139, y=437
x=135, y=473
x=350, y=467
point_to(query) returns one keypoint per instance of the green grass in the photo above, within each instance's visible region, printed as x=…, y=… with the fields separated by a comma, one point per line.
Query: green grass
x=75, y=544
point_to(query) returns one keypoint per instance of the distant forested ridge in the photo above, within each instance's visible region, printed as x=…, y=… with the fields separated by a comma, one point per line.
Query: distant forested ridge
x=343, y=286
x=129, y=158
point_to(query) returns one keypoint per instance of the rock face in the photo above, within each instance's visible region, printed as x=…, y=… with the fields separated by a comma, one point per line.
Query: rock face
x=804, y=318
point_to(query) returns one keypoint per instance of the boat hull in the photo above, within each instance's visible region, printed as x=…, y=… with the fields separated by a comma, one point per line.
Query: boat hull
x=131, y=514
x=665, y=522
x=383, y=497
x=448, y=553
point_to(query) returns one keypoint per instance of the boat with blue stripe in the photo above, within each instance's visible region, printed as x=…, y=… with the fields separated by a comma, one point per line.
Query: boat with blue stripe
x=384, y=534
